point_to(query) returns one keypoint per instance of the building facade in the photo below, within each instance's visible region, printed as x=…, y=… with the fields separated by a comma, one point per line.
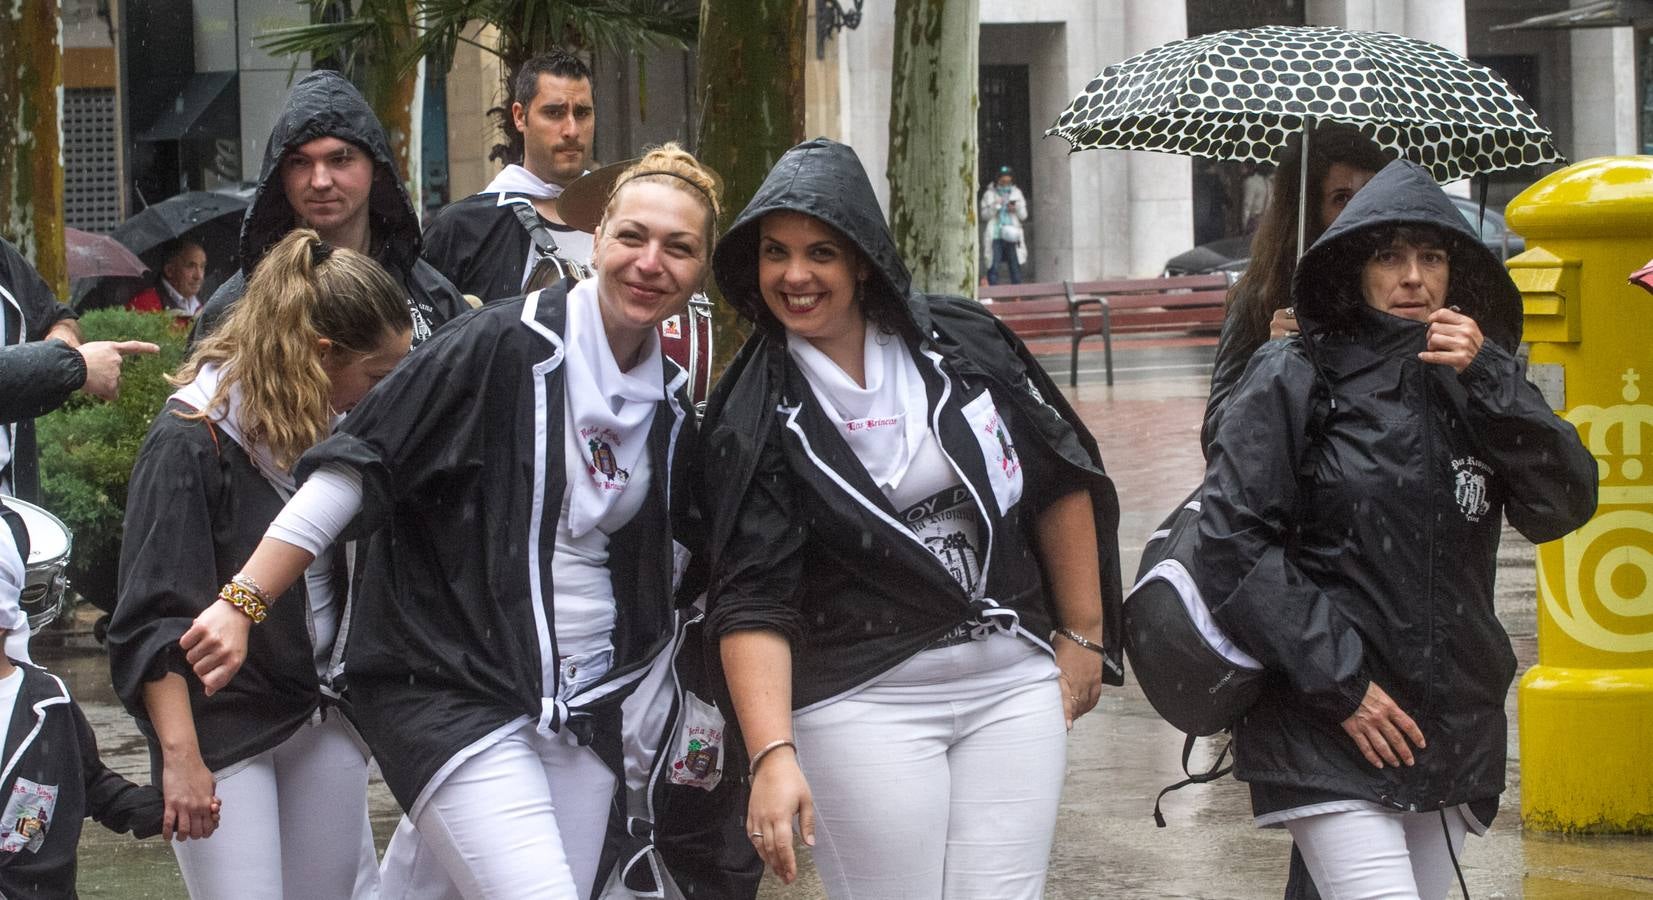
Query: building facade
x=192, y=96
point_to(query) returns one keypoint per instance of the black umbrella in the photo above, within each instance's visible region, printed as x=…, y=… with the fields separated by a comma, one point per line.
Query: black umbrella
x=1238, y=95
x=210, y=219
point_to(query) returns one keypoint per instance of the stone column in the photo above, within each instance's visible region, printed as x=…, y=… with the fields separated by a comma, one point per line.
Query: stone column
x=1604, y=92
x=1159, y=184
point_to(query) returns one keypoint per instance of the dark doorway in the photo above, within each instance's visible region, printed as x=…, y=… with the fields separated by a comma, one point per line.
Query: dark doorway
x=1003, y=128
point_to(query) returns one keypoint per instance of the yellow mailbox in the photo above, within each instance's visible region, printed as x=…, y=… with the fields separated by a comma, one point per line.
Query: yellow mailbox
x=1587, y=706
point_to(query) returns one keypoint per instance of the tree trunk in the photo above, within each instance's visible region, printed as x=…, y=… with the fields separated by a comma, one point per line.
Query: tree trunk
x=752, y=105
x=933, y=143
x=31, y=156
x=392, y=93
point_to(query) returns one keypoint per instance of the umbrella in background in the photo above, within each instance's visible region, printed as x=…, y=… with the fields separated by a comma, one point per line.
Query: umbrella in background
x=1643, y=277
x=182, y=216
x=1238, y=95
x=210, y=219
x=97, y=254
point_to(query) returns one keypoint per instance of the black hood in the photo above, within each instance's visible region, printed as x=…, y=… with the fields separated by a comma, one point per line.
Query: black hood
x=325, y=104
x=824, y=179
x=1326, y=289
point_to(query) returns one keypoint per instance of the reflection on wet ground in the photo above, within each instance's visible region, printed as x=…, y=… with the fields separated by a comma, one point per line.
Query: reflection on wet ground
x=1119, y=756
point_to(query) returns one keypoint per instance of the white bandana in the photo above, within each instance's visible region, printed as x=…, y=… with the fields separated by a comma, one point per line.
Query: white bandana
x=198, y=395
x=608, y=411
x=514, y=179
x=883, y=422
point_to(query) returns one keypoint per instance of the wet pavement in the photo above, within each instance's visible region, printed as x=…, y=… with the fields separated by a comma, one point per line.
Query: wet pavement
x=1119, y=756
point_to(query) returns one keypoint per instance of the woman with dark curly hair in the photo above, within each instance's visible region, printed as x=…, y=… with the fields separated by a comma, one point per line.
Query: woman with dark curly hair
x=1348, y=537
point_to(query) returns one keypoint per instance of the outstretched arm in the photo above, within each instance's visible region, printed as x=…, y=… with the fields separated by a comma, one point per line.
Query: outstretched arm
x=758, y=668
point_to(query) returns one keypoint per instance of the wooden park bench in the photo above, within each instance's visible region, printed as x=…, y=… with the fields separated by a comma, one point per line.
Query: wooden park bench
x=1183, y=303
x=1042, y=310
x=1076, y=310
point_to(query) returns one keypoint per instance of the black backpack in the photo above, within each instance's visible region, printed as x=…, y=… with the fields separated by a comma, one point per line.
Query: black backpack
x=1193, y=675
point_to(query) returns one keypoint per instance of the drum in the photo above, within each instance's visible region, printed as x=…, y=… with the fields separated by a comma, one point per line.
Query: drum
x=45, y=584
x=687, y=339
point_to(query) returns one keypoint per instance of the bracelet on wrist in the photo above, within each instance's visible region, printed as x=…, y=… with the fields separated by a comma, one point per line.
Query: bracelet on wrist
x=245, y=599
x=1081, y=640
x=752, y=768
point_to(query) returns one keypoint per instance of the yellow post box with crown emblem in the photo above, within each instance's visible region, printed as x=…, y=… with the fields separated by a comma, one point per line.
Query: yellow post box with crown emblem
x=1587, y=706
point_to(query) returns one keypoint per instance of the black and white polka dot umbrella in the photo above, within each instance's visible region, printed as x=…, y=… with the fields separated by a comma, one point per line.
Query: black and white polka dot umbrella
x=1237, y=95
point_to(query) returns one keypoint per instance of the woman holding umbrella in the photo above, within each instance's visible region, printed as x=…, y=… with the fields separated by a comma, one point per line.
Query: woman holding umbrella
x=1341, y=161
x=912, y=546
x=1349, y=542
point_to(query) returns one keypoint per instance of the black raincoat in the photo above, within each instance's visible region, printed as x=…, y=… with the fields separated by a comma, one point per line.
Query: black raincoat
x=801, y=541
x=1361, y=546
x=36, y=376
x=52, y=767
x=324, y=104
x=196, y=508
x=460, y=452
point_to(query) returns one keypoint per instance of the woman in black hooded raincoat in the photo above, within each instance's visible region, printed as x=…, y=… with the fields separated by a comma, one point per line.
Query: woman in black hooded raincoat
x=912, y=547
x=1351, y=513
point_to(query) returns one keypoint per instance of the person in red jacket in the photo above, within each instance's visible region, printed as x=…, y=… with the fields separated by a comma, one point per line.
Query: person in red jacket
x=179, y=284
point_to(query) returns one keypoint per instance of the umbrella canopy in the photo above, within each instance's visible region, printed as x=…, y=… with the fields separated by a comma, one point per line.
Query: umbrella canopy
x=1237, y=95
x=98, y=254
x=201, y=216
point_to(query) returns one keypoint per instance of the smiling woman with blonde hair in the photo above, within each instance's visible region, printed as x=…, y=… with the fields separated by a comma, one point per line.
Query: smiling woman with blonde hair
x=519, y=482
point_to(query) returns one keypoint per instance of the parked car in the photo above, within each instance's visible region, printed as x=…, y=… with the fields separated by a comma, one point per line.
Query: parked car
x=1233, y=253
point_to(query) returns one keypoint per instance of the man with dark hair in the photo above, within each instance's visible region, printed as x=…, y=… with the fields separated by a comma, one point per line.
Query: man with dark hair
x=328, y=166
x=489, y=244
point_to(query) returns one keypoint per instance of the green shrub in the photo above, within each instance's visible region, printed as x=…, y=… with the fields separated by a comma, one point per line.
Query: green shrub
x=87, y=448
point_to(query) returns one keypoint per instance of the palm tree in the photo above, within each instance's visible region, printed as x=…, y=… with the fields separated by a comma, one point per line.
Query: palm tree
x=378, y=43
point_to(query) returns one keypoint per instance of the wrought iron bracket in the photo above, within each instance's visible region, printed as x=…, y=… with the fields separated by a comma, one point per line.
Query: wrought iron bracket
x=831, y=18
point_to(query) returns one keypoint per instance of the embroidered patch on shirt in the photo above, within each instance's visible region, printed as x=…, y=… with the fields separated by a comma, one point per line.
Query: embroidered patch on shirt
x=1469, y=487
x=600, y=459
x=672, y=328
x=28, y=814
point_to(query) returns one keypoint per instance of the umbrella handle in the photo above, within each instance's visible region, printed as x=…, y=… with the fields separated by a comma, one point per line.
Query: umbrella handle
x=1303, y=183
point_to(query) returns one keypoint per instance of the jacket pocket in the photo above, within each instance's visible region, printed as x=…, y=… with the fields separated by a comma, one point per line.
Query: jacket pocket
x=998, y=451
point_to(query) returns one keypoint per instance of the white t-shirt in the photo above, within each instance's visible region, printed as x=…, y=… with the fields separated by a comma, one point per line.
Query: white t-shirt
x=938, y=509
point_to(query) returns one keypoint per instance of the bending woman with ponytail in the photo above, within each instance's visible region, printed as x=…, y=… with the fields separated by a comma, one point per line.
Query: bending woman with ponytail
x=318, y=327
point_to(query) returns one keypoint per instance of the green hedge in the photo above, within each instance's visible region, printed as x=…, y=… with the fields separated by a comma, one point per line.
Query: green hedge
x=87, y=448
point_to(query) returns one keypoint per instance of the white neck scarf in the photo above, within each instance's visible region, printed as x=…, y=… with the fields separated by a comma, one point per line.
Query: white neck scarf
x=608, y=412
x=883, y=422
x=198, y=395
x=514, y=179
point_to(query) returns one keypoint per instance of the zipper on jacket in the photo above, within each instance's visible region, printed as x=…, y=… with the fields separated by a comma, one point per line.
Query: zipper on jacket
x=1426, y=388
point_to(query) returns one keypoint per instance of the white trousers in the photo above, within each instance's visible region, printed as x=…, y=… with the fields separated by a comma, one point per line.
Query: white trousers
x=1377, y=854
x=523, y=819
x=941, y=779
x=293, y=824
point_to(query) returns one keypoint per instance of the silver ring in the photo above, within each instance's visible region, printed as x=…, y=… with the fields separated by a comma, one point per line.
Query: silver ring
x=758, y=835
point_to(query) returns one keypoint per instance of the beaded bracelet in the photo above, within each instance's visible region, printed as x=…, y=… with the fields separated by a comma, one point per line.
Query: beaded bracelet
x=245, y=599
